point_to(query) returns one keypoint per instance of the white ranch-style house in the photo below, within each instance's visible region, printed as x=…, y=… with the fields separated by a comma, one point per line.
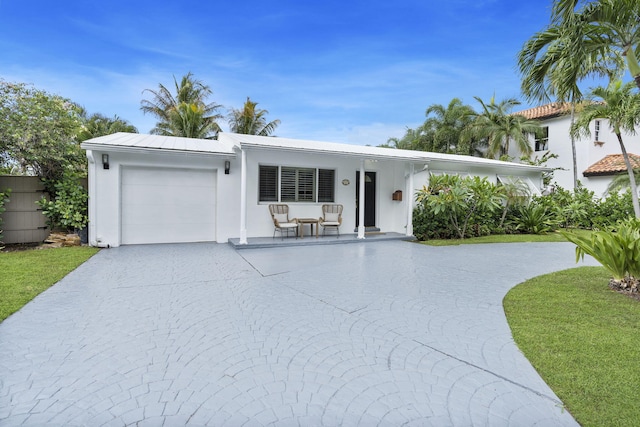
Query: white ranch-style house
x=598, y=157
x=158, y=189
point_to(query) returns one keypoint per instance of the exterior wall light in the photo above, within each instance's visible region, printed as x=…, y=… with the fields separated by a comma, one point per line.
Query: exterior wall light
x=105, y=161
x=227, y=167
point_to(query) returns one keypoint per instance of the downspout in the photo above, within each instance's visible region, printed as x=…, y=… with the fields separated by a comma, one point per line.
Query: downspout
x=243, y=198
x=409, y=231
x=361, y=201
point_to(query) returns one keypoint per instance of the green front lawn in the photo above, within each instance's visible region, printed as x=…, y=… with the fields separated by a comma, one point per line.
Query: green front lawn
x=24, y=274
x=504, y=238
x=584, y=340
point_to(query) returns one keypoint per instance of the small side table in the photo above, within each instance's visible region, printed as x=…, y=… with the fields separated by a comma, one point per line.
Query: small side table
x=311, y=222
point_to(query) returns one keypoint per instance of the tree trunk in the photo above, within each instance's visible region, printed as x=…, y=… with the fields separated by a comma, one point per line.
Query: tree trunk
x=573, y=147
x=632, y=178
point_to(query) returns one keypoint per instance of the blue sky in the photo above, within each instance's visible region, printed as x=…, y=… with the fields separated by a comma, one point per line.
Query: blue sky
x=345, y=71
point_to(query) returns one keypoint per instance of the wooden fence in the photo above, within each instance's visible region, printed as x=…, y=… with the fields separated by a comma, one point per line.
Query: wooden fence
x=23, y=221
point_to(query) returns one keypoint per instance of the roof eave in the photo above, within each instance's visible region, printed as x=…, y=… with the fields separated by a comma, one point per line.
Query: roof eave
x=149, y=150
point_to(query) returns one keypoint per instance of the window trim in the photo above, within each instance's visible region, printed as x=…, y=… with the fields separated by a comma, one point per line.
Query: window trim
x=316, y=186
x=542, y=140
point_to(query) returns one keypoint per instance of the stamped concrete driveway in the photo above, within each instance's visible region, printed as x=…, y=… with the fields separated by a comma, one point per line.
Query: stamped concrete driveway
x=387, y=333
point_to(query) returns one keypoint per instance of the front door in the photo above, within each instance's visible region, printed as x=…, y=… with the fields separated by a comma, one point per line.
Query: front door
x=369, y=199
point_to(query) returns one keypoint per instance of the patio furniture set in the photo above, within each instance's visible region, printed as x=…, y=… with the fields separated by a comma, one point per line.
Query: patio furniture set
x=331, y=218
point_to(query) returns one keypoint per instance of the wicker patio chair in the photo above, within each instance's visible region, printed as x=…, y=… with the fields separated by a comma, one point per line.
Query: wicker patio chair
x=281, y=220
x=331, y=218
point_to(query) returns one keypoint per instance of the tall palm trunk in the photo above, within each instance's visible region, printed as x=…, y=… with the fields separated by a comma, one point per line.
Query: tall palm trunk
x=632, y=178
x=573, y=147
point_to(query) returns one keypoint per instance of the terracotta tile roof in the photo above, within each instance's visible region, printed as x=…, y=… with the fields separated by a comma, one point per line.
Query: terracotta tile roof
x=611, y=165
x=546, y=111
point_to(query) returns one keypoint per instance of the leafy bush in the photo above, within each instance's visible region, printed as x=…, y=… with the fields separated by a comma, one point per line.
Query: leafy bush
x=569, y=209
x=3, y=199
x=533, y=219
x=618, y=250
x=68, y=209
x=614, y=208
x=465, y=206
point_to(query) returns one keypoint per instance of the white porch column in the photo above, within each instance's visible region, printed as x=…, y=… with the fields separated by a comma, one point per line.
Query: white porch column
x=361, y=201
x=243, y=198
x=410, y=201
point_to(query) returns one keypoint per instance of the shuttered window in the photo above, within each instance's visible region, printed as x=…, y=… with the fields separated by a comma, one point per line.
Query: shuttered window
x=296, y=184
x=268, y=184
x=326, y=179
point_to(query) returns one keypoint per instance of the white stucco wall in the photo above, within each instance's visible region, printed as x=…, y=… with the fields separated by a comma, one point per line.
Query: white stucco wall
x=390, y=176
x=587, y=152
x=105, y=190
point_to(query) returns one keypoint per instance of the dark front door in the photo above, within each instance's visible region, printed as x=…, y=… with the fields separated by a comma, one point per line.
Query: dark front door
x=369, y=199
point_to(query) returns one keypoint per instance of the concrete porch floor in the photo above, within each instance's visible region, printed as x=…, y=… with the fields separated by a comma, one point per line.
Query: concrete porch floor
x=332, y=239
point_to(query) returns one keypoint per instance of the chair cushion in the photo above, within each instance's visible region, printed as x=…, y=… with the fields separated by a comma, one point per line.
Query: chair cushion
x=288, y=224
x=330, y=223
x=281, y=218
x=331, y=217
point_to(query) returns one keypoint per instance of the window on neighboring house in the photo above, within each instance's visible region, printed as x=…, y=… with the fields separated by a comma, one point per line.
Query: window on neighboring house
x=291, y=184
x=596, y=132
x=542, y=141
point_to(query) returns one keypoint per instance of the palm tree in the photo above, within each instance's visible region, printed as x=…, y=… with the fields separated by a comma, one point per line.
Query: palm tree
x=621, y=108
x=612, y=30
x=99, y=125
x=445, y=125
x=186, y=114
x=556, y=59
x=251, y=120
x=498, y=127
x=413, y=139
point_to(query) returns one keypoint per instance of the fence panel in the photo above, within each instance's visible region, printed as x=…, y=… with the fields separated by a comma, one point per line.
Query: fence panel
x=23, y=221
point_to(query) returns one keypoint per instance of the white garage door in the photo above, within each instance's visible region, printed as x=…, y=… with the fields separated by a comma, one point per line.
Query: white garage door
x=168, y=205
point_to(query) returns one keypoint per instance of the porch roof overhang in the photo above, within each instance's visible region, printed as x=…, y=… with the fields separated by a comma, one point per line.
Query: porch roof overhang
x=141, y=143
x=430, y=159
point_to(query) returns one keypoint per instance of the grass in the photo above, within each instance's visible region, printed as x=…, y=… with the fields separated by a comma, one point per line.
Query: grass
x=584, y=340
x=25, y=274
x=503, y=238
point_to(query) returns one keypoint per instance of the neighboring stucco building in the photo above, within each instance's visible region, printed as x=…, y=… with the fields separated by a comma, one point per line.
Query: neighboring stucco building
x=157, y=189
x=590, y=151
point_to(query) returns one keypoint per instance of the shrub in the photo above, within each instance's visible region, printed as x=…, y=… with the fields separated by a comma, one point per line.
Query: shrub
x=618, y=250
x=614, y=208
x=68, y=210
x=533, y=219
x=465, y=205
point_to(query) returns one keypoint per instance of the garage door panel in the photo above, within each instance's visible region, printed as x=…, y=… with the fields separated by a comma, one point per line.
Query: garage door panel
x=167, y=205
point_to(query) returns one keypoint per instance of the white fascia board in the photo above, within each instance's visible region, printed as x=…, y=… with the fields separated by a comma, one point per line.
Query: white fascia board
x=145, y=150
x=367, y=156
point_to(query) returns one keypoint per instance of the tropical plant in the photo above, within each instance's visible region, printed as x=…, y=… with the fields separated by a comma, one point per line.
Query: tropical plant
x=617, y=206
x=68, y=208
x=612, y=30
x=513, y=193
x=413, y=139
x=38, y=131
x=621, y=108
x=251, y=120
x=498, y=127
x=617, y=250
x=459, y=199
x=622, y=181
x=444, y=126
x=553, y=62
x=99, y=125
x=187, y=114
x=533, y=219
